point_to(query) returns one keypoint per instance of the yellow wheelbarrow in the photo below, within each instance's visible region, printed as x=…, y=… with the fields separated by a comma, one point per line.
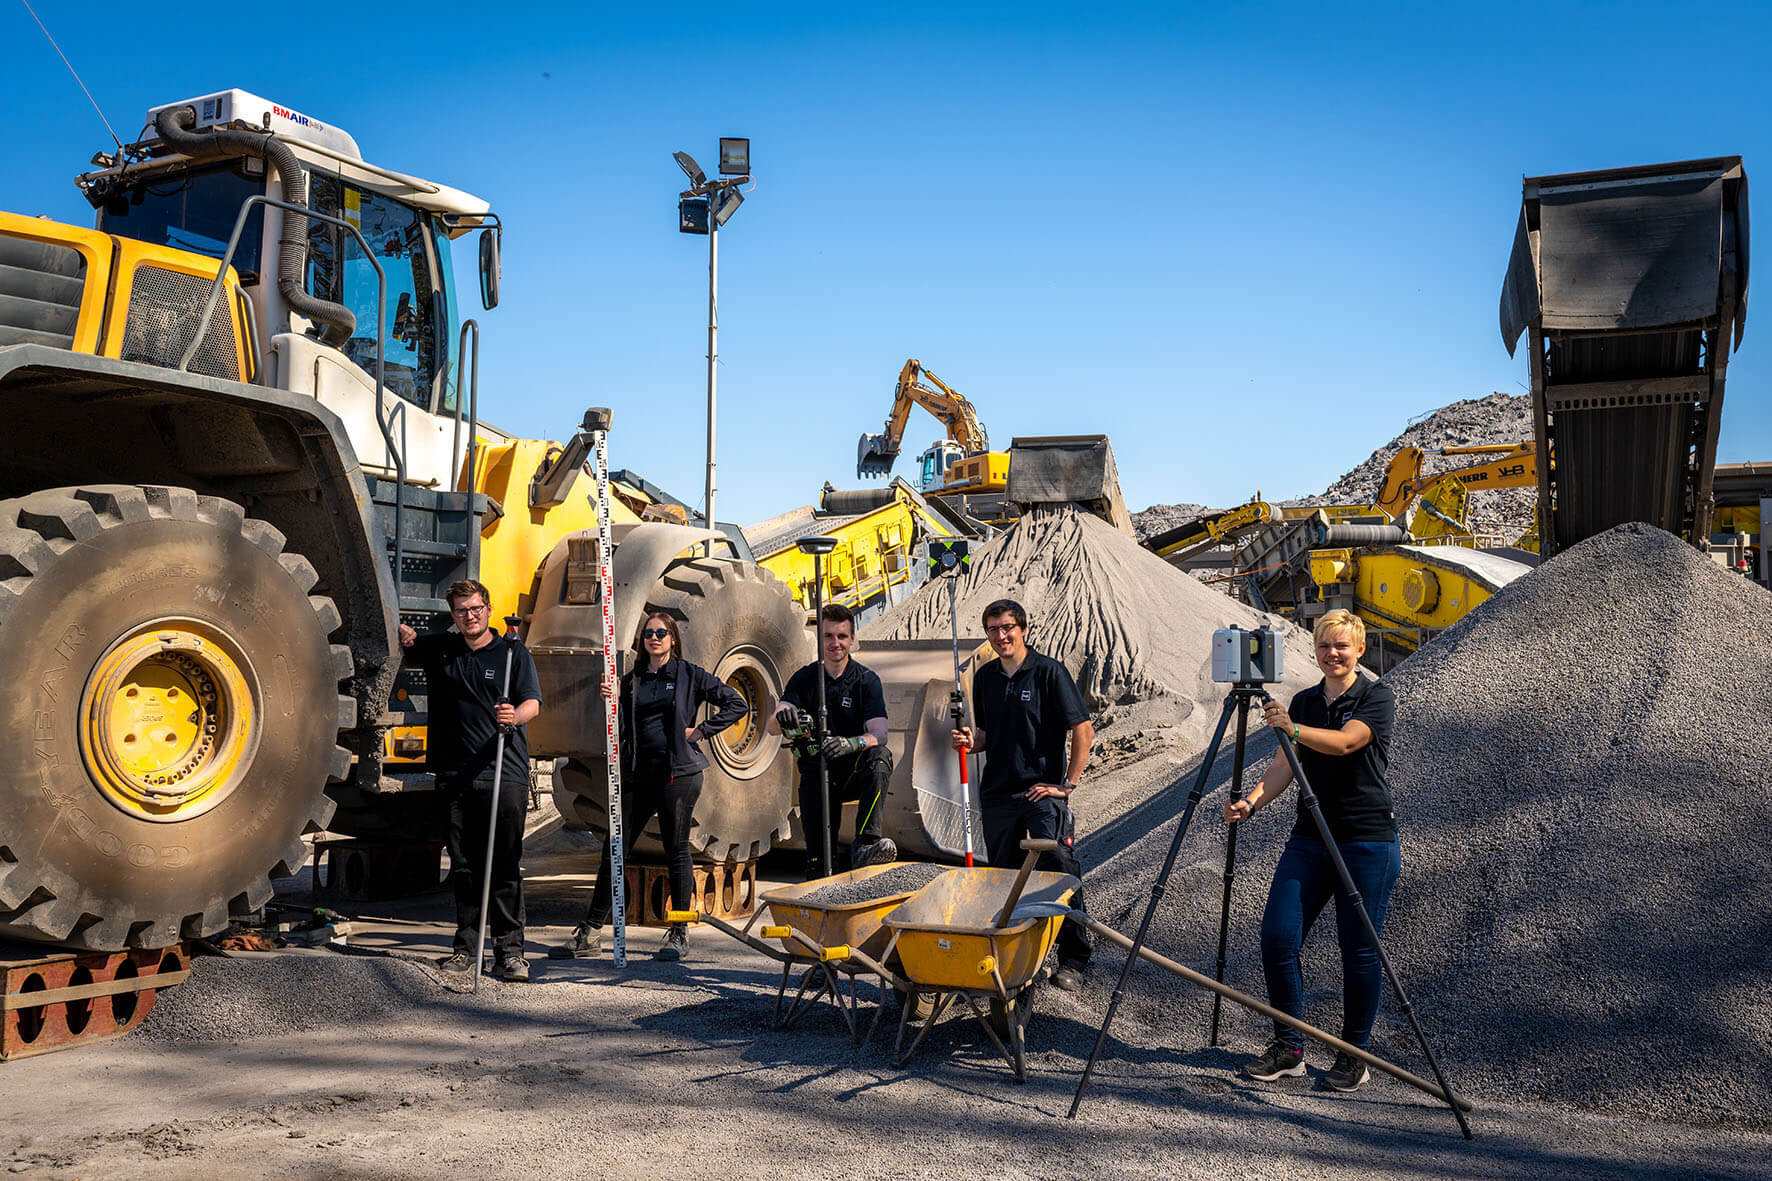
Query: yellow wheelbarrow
x=979, y=935
x=830, y=946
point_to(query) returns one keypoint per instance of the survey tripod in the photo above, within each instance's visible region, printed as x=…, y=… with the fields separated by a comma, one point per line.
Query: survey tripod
x=1241, y=696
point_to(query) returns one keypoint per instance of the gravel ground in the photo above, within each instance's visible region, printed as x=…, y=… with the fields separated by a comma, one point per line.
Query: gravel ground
x=1586, y=900
x=900, y=879
x=672, y=1069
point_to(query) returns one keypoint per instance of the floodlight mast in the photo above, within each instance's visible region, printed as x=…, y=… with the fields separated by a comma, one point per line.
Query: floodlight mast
x=723, y=200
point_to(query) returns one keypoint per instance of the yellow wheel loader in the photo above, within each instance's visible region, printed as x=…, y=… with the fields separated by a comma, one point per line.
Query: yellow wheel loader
x=244, y=444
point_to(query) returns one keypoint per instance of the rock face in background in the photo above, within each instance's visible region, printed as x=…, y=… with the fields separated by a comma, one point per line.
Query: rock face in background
x=1498, y=418
x=1581, y=779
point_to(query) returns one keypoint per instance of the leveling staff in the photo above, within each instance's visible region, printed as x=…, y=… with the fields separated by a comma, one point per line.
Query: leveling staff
x=854, y=750
x=1025, y=705
x=464, y=675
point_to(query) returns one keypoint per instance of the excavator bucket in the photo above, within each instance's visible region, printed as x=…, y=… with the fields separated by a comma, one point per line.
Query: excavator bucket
x=875, y=455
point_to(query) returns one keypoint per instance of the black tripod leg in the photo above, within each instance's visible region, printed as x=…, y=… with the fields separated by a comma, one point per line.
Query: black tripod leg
x=1187, y=816
x=1309, y=799
x=1230, y=859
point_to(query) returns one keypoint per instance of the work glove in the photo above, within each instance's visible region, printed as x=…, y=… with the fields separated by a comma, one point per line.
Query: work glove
x=787, y=716
x=836, y=748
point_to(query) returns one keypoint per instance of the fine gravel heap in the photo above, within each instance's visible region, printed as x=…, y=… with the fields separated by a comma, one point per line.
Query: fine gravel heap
x=1130, y=627
x=906, y=878
x=1586, y=901
x=230, y=1000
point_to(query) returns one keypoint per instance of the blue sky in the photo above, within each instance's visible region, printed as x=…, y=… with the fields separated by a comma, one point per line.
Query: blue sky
x=1247, y=242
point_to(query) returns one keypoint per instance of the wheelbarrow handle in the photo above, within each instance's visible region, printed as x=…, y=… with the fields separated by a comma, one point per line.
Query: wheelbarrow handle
x=1034, y=849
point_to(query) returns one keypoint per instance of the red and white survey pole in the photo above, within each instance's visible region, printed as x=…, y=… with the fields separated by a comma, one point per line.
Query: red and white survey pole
x=598, y=420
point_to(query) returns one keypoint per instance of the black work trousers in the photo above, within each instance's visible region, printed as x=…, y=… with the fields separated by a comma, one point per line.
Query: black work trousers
x=469, y=804
x=862, y=777
x=644, y=794
x=1007, y=820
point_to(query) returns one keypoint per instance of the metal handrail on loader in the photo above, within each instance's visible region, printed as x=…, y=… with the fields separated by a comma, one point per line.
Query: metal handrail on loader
x=382, y=420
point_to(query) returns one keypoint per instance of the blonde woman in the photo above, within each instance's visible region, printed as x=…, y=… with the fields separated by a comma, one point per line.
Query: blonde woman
x=1342, y=728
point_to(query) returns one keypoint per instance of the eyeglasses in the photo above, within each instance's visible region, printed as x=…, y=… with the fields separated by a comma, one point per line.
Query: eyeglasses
x=655, y=633
x=480, y=610
x=1001, y=628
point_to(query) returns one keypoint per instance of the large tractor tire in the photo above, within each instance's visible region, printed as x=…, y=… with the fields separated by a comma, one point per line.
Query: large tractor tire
x=740, y=623
x=173, y=717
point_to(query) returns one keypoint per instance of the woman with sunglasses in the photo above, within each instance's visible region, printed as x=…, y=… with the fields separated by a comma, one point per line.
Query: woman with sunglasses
x=661, y=766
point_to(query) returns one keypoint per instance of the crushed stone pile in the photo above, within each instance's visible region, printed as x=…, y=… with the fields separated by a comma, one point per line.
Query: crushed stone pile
x=1130, y=627
x=1159, y=517
x=228, y=1000
x=900, y=879
x=1498, y=418
x=1580, y=773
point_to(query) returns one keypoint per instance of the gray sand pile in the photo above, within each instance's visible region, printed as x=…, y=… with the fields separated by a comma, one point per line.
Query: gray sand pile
x=900, y=879
x=228, y=1000
x=1131, y=628
x=1585, y=909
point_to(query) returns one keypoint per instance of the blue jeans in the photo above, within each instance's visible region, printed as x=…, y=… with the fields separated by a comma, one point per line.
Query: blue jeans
x=1304, y=881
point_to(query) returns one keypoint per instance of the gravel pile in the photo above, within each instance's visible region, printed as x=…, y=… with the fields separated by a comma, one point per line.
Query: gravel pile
x=900, y=879
x=228, y=1000
x=1498, y=418
x=1130, y=627
x=1159, y=517
x=1586, y=901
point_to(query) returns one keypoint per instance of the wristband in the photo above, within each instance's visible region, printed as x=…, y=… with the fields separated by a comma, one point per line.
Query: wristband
x=1294, y=731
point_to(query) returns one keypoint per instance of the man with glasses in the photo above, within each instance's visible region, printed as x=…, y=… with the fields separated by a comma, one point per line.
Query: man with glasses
x=464, y=674
x=1026, y=705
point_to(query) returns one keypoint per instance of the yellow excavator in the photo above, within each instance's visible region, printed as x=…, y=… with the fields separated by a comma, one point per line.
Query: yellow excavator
x=966, y=437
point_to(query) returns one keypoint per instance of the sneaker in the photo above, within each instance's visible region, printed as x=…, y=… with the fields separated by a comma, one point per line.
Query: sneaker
x=1068, y=978
x=459, y=961
x=675, y=944
x=513, y=968
x=873, y=853
x=1277, y=1061
x=586, y=942
x=1348, y=1074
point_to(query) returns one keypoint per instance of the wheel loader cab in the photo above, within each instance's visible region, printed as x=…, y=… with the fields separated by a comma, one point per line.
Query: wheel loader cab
x=193, y=205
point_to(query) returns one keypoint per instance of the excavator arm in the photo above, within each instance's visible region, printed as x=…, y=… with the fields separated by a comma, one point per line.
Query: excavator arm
x=1515, y=466
x=877, y=452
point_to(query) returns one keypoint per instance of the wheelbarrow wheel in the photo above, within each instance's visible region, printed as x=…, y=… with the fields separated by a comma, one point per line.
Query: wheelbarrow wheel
x=920, y=1004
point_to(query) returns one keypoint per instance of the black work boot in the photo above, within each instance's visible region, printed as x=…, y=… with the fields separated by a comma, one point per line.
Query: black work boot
x=586, y=942
x=676, y=942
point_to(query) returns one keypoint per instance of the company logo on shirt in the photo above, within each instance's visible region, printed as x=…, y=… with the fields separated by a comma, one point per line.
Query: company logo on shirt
x=1027, y=694
x=487, y=672
x=848, y=703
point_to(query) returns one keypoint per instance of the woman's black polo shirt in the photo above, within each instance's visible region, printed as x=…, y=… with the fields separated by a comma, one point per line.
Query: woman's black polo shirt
x=1353, y=789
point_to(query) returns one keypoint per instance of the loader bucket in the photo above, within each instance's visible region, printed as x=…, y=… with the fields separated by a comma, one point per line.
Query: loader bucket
x=874, y=456
x=922, y=811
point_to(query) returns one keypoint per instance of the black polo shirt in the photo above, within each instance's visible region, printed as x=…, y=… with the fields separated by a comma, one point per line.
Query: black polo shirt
x=851, y=700
x=1026, y=719
x=463, y=685
x=1352, y=789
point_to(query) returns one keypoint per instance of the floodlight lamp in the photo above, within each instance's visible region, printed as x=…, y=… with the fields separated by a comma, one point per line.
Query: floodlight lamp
x=690, y=168
x=726, y=205
x=818, y=544
x=735, y=156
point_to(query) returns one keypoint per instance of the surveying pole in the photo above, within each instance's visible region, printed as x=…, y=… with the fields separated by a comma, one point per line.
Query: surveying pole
x=598, y=421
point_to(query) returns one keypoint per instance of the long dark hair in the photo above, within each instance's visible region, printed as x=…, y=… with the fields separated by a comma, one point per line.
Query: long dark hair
x=643, y=657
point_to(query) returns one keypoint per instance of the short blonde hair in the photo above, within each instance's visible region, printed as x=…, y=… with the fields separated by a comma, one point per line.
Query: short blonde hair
x=1340, y=621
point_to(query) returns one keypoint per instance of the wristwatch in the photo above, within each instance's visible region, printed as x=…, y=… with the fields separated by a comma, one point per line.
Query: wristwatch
x=1066, y=783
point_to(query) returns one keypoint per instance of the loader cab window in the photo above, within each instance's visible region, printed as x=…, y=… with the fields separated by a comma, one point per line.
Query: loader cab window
x=190, y=209
x=400, y=237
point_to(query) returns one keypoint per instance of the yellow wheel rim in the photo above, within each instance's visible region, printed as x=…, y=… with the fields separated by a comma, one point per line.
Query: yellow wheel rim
x=170, y=720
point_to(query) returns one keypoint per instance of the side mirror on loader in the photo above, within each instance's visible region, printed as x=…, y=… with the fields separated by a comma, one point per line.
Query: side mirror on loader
x=489, y=268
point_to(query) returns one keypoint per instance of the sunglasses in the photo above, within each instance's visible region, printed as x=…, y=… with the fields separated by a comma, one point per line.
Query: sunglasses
x=655, y=633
